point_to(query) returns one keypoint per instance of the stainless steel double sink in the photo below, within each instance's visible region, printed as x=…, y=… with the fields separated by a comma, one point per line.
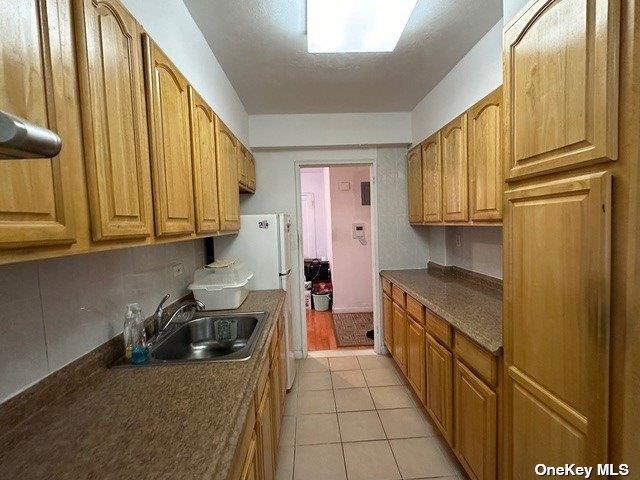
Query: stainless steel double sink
x=209, y=337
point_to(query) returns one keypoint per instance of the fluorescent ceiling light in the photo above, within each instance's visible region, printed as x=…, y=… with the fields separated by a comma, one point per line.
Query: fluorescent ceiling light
x=339, y=26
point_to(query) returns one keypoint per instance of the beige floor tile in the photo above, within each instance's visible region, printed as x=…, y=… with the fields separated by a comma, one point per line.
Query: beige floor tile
x=421, y=457
x=315, y=381
x=360, y=426
x=406, y=423
x=285, y=463
x=343, y=363
x=319, y=462
x=311, y=364
x=396, y=396
x=382, y=377
x=291, y=403
x=348, y=379
x=316, y=402
x=288, y=431
x=374, y=362
x=317, y=428
x=353, y=399
x=370, y=461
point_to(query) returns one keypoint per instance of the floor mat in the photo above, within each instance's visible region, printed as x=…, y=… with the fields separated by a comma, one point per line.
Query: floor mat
x=351, y=329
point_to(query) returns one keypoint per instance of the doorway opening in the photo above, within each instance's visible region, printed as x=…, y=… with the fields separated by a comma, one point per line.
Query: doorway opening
x=336, y=226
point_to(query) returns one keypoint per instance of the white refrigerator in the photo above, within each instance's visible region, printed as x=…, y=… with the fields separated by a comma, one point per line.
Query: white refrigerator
x=264, y=246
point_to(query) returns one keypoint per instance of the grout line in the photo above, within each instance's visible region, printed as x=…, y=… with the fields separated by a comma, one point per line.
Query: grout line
x=44, y=325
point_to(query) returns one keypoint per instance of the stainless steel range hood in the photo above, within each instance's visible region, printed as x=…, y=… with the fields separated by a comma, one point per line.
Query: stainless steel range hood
x=22, y=139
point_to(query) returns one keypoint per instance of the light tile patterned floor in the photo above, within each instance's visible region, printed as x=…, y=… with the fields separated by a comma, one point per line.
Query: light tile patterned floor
x=354, y=418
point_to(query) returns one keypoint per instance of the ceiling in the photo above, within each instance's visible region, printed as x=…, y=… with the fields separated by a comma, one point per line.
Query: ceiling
x=261, y=45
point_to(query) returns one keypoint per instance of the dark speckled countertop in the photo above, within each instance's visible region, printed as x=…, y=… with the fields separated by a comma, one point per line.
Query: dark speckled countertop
x=470, y=306
x=166, y=422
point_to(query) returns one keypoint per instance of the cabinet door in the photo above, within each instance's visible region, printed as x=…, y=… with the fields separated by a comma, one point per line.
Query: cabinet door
x=476, y=419
x=454, y=171
x=414, y=183
x=485, y=158
x=169, y=134
x=274, y=380
x=439, y=396
x=432, y=179
x=250, y=466
x=114, y=120
x=556, y=323
x=264, y=426
x=37, y=83
x=205, y=173
x=415, y=357
x=387, y=319
x=251, y=173
x=400, y=337
x=561, y=86
x=282, y=354
x=229, y=193
x=242, y=165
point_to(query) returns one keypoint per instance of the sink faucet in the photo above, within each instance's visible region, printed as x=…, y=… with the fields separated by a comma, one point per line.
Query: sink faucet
x=157, y=316
x=160, y=327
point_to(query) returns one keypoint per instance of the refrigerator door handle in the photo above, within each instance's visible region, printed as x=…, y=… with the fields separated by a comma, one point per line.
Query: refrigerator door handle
x=285, y=273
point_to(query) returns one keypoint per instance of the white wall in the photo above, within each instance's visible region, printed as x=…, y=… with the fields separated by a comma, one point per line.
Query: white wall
x=399, y=245
x=480, y=249
x=171, y=26
x=351, y=260
x=319, y=130
x=312, y=180
x=477, y=74
x=54, y=311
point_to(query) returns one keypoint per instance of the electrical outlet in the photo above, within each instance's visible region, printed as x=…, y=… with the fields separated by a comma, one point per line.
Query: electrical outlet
x=178, y=270
x=458, y=239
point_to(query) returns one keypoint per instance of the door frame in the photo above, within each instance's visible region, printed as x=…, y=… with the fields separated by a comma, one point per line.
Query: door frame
x=378, y=343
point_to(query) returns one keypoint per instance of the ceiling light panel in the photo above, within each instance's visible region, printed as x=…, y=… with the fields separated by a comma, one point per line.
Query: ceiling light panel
x=347, y=26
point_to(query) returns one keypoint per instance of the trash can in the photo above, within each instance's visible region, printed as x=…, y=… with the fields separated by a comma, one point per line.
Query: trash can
x=321, y=301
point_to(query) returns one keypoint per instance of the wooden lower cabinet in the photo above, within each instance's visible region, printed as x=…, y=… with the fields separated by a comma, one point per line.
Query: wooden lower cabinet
x=250, y=467
x=264, y=430
x=476, y=419
x=387, y=321
x=282, y=357
x=415, y=357
x=439, y=397
x=400, y=337
x=274, y=382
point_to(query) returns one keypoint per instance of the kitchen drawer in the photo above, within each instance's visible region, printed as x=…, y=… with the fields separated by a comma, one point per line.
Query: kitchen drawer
x=398, y=295
x=415, y=309
x=477, y=358
x=386, y=286
x=438, y=328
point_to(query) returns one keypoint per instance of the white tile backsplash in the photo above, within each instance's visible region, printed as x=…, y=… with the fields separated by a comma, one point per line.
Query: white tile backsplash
x=54, y=311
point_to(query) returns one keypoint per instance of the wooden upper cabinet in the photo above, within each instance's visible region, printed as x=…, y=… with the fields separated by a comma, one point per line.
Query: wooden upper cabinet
x=227, y=155
x=557, y=323
x=169, y=134
x=251, y=172
x=476, y=420
x=243, y=160
x=37, y=83
x=432, y=179
x=114, y=120
x=485, y=158
x=205, y=174
x=561, y=86
x=414, y=183
x=454, y=170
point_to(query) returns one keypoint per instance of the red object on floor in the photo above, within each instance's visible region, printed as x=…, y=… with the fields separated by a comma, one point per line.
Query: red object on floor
x=320, y=288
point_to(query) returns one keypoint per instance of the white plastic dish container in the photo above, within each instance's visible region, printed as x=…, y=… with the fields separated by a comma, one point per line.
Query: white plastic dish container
x=221, y=286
